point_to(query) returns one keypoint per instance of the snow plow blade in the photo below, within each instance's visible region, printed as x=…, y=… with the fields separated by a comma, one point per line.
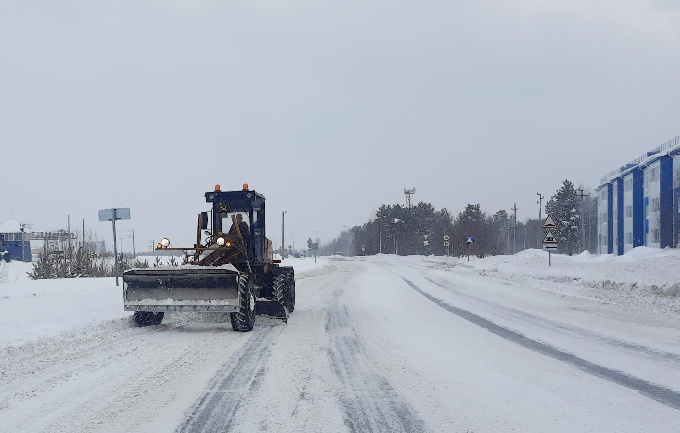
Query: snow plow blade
x=271, y=308
x=181, y=289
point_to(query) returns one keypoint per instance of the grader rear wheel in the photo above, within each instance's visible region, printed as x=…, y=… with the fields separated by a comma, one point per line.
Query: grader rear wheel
x=289, y=291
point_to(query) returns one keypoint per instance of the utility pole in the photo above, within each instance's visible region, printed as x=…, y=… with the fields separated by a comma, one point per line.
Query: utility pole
x=380, y=237
x=514, y=230
x=540, y=208
x=581, y=195
x=283, y=237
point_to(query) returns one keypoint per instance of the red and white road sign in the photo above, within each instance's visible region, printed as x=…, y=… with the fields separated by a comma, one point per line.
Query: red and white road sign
x=550, y=238
x=549, y=223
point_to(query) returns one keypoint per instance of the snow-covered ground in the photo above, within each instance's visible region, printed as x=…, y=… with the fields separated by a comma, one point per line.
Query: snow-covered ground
x=383, y=344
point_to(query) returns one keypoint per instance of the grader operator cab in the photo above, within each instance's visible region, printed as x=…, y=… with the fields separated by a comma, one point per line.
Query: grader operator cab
x=231, y=270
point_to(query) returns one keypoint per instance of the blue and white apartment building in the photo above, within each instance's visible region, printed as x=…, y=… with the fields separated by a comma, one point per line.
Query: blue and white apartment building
x=639, y=203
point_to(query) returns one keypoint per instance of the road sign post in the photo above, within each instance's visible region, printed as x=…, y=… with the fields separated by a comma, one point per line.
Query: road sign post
x=469, y=240
x=112, y=215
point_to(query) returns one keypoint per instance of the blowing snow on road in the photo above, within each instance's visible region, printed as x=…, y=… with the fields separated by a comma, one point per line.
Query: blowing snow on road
x=379, y=344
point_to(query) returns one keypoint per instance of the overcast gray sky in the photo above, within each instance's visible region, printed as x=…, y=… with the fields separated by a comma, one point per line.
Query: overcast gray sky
x=327, y=108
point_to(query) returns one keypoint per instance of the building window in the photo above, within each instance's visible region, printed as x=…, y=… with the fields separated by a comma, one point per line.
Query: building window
x=603, y=194
x=629, y=239
x=629, y=211
x=603, y=217
x=653, y=175
x=628, y=185
x=656, y=204
x=655, y=236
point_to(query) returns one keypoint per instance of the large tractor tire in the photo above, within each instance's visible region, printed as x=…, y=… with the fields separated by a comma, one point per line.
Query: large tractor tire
x=279, y=289
x=146, y=318
x=289, y=291
x=244, y=319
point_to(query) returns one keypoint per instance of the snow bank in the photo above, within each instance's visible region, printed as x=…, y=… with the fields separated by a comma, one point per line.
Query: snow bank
x=644, y=279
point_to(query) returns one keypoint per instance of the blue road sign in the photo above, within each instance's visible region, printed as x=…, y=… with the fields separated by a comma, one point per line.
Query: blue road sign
x=469, y=239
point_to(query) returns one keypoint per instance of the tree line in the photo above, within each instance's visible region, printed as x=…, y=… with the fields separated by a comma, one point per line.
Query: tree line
x=420, y=229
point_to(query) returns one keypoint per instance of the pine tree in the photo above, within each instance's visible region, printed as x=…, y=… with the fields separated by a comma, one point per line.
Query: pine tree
x=565, y=208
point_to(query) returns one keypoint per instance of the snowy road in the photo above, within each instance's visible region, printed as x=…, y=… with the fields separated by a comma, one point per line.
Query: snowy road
x=382, y=345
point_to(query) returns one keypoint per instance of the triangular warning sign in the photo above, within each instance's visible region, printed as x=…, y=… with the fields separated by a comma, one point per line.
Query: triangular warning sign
x=549, y=223
x=550, y=238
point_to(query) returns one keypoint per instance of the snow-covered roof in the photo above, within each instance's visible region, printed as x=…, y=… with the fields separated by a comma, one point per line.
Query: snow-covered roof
x=10, y=227
x=668, y=148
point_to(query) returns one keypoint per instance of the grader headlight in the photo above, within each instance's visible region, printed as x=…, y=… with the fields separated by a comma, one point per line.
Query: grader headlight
x=165, y=242
x=220, y=241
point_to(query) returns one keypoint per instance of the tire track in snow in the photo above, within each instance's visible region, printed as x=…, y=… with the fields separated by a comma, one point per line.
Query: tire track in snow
x=233, y=386
x=659, y=393
x=368, y=401
x=118, y=388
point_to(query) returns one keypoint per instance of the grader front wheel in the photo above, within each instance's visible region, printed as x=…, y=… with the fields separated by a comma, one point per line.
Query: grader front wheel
x=244, y=319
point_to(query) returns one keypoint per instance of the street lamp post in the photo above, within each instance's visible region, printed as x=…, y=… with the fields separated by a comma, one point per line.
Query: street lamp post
x=134, y=251
x=283, y=236
x=394, y=233
x=540, y=207
x=348, y=238
x=316, y=241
